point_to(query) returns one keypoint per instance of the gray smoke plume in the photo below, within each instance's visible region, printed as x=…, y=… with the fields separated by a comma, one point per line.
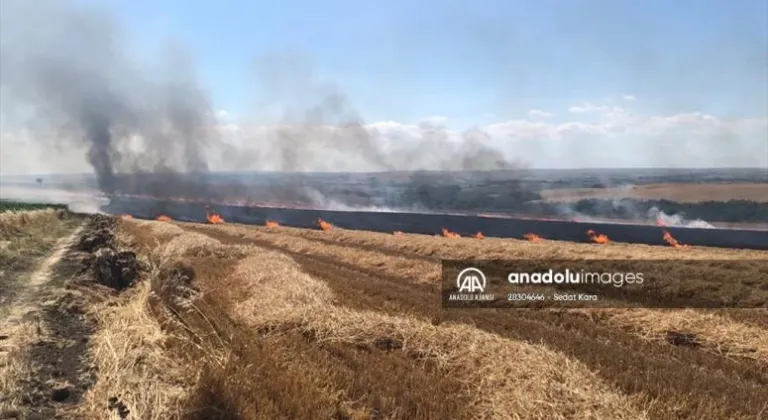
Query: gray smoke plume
x=71, y=70
x=676, y=220
x=323, y=132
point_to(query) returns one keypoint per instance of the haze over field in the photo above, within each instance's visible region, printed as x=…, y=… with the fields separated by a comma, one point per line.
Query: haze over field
x=194, y=87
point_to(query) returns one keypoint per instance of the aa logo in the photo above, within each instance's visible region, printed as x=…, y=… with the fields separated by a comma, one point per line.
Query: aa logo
x=471, y=280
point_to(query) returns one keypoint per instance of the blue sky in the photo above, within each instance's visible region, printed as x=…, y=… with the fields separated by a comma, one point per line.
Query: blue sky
x=404, y=60
x=554, y=83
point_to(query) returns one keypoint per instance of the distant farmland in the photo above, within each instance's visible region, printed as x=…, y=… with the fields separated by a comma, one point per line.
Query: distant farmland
x=682, y=193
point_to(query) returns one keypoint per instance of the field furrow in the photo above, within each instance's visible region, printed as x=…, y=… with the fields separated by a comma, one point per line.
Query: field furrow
x=344, y=244
x=672, y=380
x=285, y=331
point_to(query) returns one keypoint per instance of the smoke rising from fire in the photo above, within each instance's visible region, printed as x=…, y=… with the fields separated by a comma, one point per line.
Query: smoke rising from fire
x=71, y=69
x=73, y=73
x=676, y=220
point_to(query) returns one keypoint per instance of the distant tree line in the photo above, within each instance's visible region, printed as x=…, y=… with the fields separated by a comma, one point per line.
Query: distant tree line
x=7, y=205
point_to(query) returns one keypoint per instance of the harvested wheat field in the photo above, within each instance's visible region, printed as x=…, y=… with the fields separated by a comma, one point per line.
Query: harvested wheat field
x=246, y=322
x=308, y=324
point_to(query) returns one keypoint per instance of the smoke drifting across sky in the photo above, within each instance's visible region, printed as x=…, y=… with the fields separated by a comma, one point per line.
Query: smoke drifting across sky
x=72, y=83
x=69, y=75
x=69, y=71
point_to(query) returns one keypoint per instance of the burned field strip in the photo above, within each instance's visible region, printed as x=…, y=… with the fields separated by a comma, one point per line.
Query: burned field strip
x=425, y=223
x=674, y=377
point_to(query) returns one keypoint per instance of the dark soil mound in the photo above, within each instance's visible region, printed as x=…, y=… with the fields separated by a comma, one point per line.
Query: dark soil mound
x=110, y=266
x=116, y=269
x=100, y=233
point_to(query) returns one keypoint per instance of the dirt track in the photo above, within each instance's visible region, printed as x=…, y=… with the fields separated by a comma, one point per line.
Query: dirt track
x=49, y=334
x=48, y=363
x=372, y=272
x=26, y=299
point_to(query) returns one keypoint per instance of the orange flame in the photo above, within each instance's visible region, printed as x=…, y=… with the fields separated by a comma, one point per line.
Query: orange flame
x=324, y=225
x=668, y=238
x=448, y=234
x=397, y=233
x=597, y=238
x=479, y=235
x=532, y=237
x=164, y=218
x=270, y=224
x=214, y=218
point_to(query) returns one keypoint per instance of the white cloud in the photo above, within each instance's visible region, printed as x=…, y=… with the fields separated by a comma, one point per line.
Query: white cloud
x=627, y=97
x=611, y=136
x=587, y=107
x=537, y=113
x=620, y=137
x=435, y=119
x=222, y=114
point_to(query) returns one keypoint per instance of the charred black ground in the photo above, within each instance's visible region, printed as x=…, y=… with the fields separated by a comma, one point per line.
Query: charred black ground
x=434, y=223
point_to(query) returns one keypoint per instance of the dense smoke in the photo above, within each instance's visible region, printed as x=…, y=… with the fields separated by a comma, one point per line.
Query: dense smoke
x=71, y=71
